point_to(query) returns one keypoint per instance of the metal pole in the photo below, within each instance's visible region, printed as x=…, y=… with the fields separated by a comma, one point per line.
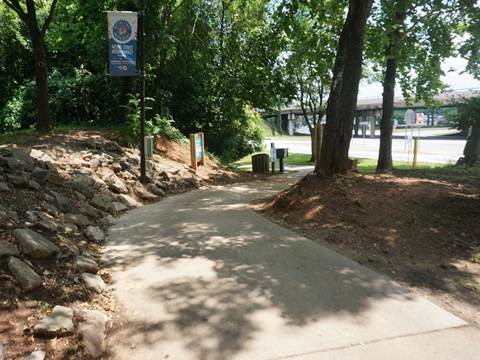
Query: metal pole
x=143, y=176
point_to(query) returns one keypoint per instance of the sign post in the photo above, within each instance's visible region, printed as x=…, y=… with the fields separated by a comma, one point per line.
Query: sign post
x=197, y=150
x=273, y=156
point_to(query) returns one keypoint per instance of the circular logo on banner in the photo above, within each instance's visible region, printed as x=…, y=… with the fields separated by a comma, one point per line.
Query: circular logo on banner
x=122, y=30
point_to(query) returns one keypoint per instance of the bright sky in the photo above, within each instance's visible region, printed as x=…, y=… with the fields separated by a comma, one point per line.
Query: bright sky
x=455, y=80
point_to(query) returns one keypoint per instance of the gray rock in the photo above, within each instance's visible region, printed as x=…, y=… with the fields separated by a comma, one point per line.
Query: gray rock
x=65, y=205
x=24, y=276
x=4, y=151
x=116, y=185
x=19, y=180
x=94, y=282
x=88, y=210
x=69, y=244
x=15, y=165
x=98, y=184
x=77, y=219
x=40, y=175
x=23, y=154
x=47, y=225
x=94, y=233
x=156, y=190
x=108, y=221
x=92, y=331
x=4, y=186
x=34, y=244
x=58, y=323
x=85, y=264
x=128, y=200
x=8, y=249
x=55, y=178
x=105, y=172
x=117, y=167
x=5, y=221
x=118, y=207
x=33, y=185
x=84, y=185
x=99, y=203
x=1, y=350
x=143, y=193
x=36, y=355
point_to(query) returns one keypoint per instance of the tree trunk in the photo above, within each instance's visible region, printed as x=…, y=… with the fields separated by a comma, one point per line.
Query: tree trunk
x=471, y=152
x=44, y=122
x=344, y=90
x=386, y=123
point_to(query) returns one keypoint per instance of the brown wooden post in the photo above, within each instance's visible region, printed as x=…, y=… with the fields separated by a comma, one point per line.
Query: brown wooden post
x=193, y=150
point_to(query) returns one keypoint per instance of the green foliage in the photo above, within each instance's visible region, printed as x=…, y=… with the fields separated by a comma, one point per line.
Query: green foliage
x=236, y=133
x=159, y=126
x=20, y=111
x=468, y=115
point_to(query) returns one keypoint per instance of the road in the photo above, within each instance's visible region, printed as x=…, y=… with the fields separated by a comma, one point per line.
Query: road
x=432, y=149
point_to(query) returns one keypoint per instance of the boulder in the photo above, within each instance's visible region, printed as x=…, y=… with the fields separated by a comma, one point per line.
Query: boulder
x=5, y=221
x=116, y=185
x=65, y=205
x=143, y=193
x=41, y=175
x=8, y=249
x=92, y=331
x=94, y=233
x=128, y=200
x=25, y=277
x=69, y=244
x=34, y=245
x=94, y=282
x=58, y=323
x=85, y=264
x=77, y=219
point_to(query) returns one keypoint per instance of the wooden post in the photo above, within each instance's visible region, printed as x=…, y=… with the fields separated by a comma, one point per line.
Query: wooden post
x=193, y=151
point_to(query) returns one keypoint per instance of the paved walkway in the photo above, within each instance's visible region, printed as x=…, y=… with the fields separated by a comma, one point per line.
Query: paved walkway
x=202, y=276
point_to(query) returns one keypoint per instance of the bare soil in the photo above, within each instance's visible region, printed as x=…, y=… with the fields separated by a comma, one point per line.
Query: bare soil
x=423, y=233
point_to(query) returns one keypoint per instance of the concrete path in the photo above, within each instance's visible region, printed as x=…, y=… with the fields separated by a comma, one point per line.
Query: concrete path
x=202, y=276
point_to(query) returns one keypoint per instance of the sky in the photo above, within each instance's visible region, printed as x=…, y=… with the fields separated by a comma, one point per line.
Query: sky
x=455, y=80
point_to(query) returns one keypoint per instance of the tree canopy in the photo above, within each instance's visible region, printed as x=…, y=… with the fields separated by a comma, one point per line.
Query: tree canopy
x=212, y=65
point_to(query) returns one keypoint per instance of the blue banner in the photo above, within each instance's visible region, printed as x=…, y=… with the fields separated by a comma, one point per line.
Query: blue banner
x=122, y=42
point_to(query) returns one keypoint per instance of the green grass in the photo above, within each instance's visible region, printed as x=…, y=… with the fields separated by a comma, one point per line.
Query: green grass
x=441, y=172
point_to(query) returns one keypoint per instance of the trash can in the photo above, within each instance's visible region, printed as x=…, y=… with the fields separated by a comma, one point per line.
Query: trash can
x=260, y=163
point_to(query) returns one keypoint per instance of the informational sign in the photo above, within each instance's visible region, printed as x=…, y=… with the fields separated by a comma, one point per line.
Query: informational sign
x=148, y=147
x=409, y=115
x=273, y=153
x=122, y=42
x=197, y=150
x=198, y=144
x=420, y=118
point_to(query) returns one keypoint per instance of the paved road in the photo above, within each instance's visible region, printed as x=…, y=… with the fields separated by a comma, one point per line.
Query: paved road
x=202, y=276
x=431, y=149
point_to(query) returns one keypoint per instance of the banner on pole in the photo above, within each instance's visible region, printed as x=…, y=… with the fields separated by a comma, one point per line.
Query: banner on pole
x=122, y=42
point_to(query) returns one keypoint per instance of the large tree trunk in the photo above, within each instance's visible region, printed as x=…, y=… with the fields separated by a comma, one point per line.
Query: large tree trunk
x=386, y=123
x=44, y=122
x=471, y=152
x=28, y=15
x=343, y=94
